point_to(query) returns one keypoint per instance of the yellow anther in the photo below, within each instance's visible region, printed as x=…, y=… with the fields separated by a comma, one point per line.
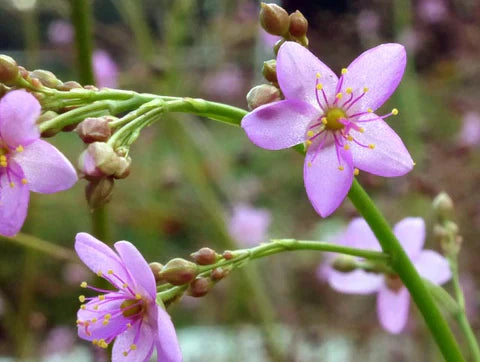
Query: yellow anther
x=24, y=181
x=350, y=138
x=309, y=164
x=3, y=158
x=19, y=148
x=308, y=143
x=105, y=322
x=95, y=307
x=369, y=110
x=79, y=321
x=125, y=354
x=83, y=306
x=356, y=171
x=339, y=95
x=319, y=86
x=129, y=325
x=341, y=168
x=110, y=271
x=107, y=316
x=99, y=273
x=365, y=90
x=138, y=296
x=124, y=285
x=371, y=146
x=3, y=164
x=394, y=111
x=12, y=185
x=101, y=297
x=349, y=90
x=324, y=120
x=346, y=147
x=81, y=298
x=414, y=163
x=344, y=71
x=94, y=342
x=310, y=133
x=102, y=344
x=83, y=284
x=94, y=320
x=133, y=347
x=318, y=75
x=361, y=130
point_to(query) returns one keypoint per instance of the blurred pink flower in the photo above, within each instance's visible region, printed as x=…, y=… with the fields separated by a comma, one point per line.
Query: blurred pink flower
x=60, y=340
x=226, y=83
x=432, y=11
x=60, y=32
x=469, y=135
x=268, y=40
x=248, y=226
x=105, y=69
x=368, y=23
x=393, y=299
x=74, y=274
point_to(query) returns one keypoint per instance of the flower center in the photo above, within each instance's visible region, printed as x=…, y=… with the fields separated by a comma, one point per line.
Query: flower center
x=131, y=307
x=333, y=116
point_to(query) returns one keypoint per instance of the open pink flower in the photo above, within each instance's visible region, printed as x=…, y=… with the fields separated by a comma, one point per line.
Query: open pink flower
x=248, y=225
x=334, y=118
x=129, y=314
x=27, y=163
x=393, y=299
x=105, y=69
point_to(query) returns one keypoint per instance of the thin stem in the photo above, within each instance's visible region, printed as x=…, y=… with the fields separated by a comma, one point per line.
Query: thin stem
x=407, y=272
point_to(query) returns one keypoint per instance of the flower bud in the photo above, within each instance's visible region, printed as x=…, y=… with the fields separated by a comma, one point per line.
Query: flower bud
x=99, y=159
x=199, y=287
x=9, y=71
x=67, y=86
x=298, y=24
x=205, y=256
x=94, y=130
x=262, y=94
x=47, y=78
x=274, y=19
x=443, y=206
x=47, y=116
x=277, y=46
x=269, y=70
x=99, y=192
x=344, y=263
x=123, y=167
x=179, y=271
x=156, y=268
x=219, y=273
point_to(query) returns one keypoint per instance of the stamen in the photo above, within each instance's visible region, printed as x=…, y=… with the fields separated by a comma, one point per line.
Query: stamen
x=318, y=75
x=344, y=71
x=349, y=90
x=371, y=146
x=356, y=171
x=12, y=185
x=24, y=181
x=324, y=120
x=394, y=112
x=346, y=147
x=356, y=99
x=319, y=87
x=81, y=298
x=19, y=148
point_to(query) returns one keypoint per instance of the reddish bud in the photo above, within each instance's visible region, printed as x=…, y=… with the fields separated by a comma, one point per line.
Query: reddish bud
x=99, y=192
x=274, y=19
x=199, y=287
x=205, y=256
x=9, y=70
x=262, y=94
x=179, y=271
x=219, y=273
x=156, y=268
x=94, y=130
x=298, y=24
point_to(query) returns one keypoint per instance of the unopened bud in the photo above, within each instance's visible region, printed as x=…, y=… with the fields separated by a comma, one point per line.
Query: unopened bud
x=262, y=94
x=443, y=206
x=219, y=273
x=156, y=268
x=99, y=159
x=94, y=130
x=67, y=86
x=274, y=19
x=99, y=192
x=9, y=71
x=227, y=255
x=179, y=271
x=205, y=256
x=344, y=263
x=123, y=167
x=47, y=116
x=298, y=24
x=47, y=78
x=199, y=287
x=277, y=46
x=269, y=70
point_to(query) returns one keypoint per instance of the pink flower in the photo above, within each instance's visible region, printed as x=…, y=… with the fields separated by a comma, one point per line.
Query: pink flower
x=27, y=163
x=60, y=32
x=469, y=135
x=432, y=11
x=393, y=299
x=248, y=226
x=105, y=69
x=334, y=118
x=129, y=314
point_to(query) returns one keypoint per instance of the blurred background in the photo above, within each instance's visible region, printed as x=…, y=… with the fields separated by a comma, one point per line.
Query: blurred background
x=191, y=176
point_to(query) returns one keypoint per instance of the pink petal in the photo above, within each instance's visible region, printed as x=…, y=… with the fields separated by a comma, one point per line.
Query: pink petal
x=388, y=158
x=168, y=349
x=432, y=266
x=380, y=69
x=19, y=111
x=359, y=235
x=249, y=225
x=13, y=200
x=296, y=72
x=46, y=169
x=355, y=282
x=143, y=340
x=326, y=185
x=392, y=309
x=137, y=267
x=279, y=125
x=411, y=234
x=100, y=258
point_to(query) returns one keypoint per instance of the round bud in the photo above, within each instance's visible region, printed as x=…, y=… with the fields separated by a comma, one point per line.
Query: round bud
x=344, y=263
x=443, y=205
x=298, y=24
x=99, y=159
x=277, y=46
x=94, y=130
x=199, y=287
x=227, y=255
x=269, y=70
x=219, y=273
x=47, y=78
x=156, y=268
x=262, y=94
x=9, y=70
x=274, y=19
x=123, y=167
x=204, y=256
x=67, y=86
x=179, y=271
x=99, y=192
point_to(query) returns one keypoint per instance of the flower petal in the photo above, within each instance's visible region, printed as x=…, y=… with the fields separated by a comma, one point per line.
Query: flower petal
x=279, y=125
x=142, y=339
x=388, y=158
x=296, y=72
x=168, y=349
x=411, y=234
x=100, y=258
x=248, y=225
x=392, y=309
x=19, y=111
x=326, y=185
x=355, y=282
x=432, y=266
x=13, y=200
x=380, y=69
x=46, y=169
x=137, y=267
x=359, y=235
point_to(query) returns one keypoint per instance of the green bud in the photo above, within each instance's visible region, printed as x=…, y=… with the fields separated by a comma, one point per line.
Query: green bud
x=344, y=263
x=298, y=24
x=277, y=45
x=262, y=94
x=99, y=192
x=179, y=271
x=94, y=130
x=199, y=287
x=269, y=70
x=156, y=268
x=443, y=206
x=274, y=19
x=48, y=79
x=9, y=71
x=205, y=256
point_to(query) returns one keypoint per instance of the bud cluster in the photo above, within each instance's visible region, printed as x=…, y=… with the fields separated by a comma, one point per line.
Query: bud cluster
x=445, y=230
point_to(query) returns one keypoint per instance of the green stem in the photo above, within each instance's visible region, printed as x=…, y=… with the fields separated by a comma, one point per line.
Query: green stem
x=407, y=272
